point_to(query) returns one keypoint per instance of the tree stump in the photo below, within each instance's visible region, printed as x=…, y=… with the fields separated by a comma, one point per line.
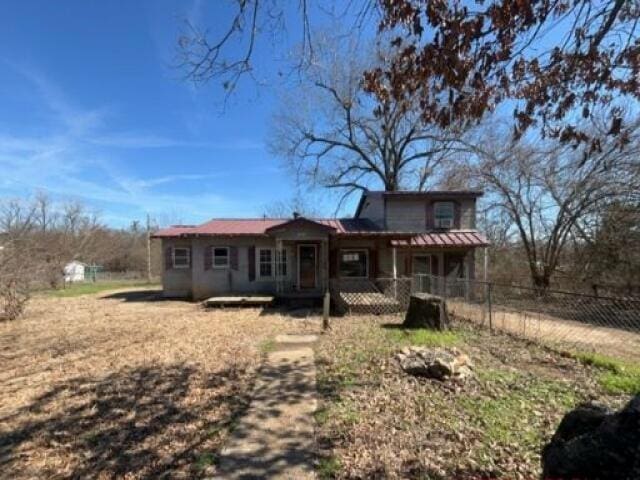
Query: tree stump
x=426, y=311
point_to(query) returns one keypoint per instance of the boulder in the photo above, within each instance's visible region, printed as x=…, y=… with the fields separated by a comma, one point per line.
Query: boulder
x=438, y=363
x=426, y=311
x=592, y=442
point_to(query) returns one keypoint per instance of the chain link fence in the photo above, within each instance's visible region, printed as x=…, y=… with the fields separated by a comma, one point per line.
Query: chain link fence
x=382, y=296
x=566, y=320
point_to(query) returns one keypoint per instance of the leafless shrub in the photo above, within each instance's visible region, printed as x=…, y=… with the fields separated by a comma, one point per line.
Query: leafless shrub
x=39, y=237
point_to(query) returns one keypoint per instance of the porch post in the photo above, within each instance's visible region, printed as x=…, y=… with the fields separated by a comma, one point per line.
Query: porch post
x=324, y=261
x=441, y=279
x=485, y=274
x=394, y=257
x=469, y=258
x=277, y=255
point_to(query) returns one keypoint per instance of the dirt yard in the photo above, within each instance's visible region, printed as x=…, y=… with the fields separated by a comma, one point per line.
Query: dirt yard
x=376, y=421
x=125, y=385
x=554, y=331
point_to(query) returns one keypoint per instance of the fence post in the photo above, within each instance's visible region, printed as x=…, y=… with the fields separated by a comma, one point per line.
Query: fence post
x=443, y=306
x=489, y=307
x=325, y=310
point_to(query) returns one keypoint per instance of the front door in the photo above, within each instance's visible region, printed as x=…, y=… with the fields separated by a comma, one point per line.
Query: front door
x=307, y=256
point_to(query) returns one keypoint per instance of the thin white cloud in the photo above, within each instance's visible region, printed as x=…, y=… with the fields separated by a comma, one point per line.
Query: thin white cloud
x=128, y=140
x=73, y=161
x=77, y=121
x=138, y=185
x=63, y=178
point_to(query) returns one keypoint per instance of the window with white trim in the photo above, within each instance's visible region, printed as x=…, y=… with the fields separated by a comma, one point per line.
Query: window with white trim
x=354, y=263
x=265, y=263
x=220, y=257
x=181, y=257
x=283, y=263
x=443, y=213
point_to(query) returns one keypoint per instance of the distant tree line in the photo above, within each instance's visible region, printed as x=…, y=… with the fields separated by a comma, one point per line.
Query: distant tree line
x=38, y=237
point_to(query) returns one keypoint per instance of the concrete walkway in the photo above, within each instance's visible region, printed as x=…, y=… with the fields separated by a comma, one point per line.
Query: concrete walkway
x=275, y=439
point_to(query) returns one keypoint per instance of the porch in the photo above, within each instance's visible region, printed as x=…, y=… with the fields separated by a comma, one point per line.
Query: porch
x=365, y=272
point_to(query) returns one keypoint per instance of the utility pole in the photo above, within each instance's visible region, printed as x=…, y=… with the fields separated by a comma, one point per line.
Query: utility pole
x=148, y=249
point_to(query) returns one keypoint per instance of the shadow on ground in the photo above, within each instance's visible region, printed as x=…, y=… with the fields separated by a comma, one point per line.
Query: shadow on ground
x=136, y=423
x=396, y=326
x=136, y=296
x=276, y=436
x=295, y=313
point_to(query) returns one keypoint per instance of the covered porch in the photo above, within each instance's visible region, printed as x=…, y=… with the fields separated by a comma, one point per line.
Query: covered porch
x=301, y=259
x=397, y=267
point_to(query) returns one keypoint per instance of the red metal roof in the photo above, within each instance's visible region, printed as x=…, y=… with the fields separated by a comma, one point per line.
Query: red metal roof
x=173, y=231
x=260, y=226
x=301, y=222
x=445, y=239
x=231, y=226
x=342, y=226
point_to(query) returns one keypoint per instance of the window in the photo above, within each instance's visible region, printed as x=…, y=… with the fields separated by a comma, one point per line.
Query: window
x=181, y=258
x=455, y=266
x=220, y=257
x=354, y=263
x=283, y=263
x=422, y=264
x=265, y=263
x=268, y=265
x=443, y=213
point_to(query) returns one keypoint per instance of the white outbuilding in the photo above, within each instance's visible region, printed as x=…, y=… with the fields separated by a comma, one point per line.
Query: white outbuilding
x=74, y=272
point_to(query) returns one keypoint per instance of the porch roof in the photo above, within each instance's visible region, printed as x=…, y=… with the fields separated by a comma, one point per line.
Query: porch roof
x=460, y=238
x=300, y=223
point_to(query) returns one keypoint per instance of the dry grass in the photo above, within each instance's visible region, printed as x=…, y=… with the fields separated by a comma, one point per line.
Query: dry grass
x=378, y=422
x=123, y=385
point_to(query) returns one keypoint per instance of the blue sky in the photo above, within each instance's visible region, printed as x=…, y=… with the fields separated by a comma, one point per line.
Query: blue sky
x=92, y=109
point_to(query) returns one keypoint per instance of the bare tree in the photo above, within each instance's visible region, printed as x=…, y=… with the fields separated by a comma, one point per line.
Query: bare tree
x=335, y=135
x=286, y=209
x=554, y=61
x=605, y=256
x=550, y=189
x=18, y=265
x=227, y=53
x=38, y=237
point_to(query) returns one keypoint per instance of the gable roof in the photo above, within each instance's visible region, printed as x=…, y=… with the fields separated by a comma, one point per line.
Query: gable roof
x=301, y=221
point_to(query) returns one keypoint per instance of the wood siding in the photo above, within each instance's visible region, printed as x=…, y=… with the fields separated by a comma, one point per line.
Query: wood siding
x=406, y=214
x=373, y=209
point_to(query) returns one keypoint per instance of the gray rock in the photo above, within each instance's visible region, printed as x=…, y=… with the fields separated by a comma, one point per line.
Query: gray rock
x=438, y=363
x=592, y=443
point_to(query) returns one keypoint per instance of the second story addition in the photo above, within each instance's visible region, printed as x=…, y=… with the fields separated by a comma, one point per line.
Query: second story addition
x=407, y=211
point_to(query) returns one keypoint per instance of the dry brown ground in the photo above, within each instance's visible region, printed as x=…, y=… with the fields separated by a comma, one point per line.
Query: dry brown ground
x=121, y=385
x=549, y=330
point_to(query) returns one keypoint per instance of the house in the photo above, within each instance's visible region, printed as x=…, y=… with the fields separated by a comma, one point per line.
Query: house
x=391, y=235
x=74, y=272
